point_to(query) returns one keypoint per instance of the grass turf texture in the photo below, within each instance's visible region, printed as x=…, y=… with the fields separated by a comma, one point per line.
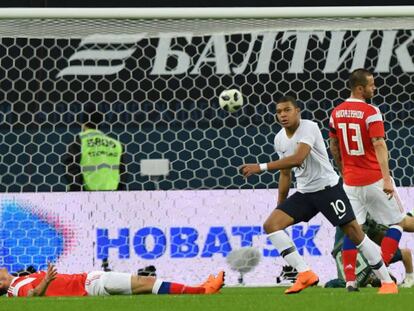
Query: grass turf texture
x=236, y=299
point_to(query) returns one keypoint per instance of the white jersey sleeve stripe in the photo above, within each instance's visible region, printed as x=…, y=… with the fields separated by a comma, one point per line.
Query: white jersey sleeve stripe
x=15, y=289
x=374, y=118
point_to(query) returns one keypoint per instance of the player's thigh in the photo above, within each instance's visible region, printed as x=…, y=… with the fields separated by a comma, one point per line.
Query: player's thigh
x=382, y=209
x=299, y=207
x=356, y=199
x=145, y=284
x=94, y=285
x=117, y=283
x=334, y=204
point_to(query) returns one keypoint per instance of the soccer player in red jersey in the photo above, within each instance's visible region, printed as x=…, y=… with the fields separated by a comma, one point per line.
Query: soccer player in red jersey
x=358, y=146
x=97, y=283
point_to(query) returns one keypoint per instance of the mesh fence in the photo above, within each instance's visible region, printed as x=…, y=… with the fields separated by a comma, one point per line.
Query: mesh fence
x=158, y=94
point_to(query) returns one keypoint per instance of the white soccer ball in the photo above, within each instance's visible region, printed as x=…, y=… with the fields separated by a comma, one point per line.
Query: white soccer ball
x=244, y=259
x=231, y=100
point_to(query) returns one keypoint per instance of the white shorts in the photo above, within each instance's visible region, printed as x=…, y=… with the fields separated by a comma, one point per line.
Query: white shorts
x=372, y=199
x=100, y=283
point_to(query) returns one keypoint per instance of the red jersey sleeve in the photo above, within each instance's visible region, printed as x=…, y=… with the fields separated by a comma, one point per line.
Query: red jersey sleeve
x=376, y=129
x=375, y=123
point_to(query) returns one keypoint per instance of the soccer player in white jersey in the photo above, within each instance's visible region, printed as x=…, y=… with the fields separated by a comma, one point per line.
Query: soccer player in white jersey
x=301, y=148
x=97, y=283
x=358, y=146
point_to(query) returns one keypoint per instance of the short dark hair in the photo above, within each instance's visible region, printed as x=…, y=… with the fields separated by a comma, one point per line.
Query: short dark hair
x=91, y=116
x=288, y=98
x=358, y=77
x=3, y=291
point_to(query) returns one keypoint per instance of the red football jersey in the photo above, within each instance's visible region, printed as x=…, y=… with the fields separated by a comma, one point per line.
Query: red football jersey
x=354, y=123
x=63, y=285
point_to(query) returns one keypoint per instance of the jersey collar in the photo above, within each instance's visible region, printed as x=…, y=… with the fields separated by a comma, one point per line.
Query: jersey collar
x=355, y=100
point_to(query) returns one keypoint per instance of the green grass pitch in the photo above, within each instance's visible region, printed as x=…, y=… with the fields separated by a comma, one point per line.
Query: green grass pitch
x=229, y=299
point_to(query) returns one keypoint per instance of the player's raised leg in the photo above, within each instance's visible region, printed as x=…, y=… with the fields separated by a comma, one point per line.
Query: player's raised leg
x=371, y=252
x=274, y=226
x=389, y=243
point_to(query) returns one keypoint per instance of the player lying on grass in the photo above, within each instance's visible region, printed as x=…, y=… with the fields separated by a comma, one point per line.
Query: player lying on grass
x=301, y=148
x=97, y=283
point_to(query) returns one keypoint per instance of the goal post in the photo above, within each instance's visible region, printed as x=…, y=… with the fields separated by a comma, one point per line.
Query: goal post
x=208, y=13
x=203, y=21
x=155, y=75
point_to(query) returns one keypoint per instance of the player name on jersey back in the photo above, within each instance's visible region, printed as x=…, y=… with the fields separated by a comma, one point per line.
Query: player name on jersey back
x=349, y=114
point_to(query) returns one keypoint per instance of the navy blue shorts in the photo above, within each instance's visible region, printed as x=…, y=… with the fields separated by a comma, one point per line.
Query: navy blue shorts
x=332, y=202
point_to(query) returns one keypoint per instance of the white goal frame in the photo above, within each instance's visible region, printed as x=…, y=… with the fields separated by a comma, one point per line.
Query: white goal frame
x=206, y=13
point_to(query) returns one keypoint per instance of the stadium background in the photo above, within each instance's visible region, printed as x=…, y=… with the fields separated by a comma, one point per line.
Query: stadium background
x=175, y=116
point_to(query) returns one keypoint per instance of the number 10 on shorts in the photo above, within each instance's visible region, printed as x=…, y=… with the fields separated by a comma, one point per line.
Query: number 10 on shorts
x=339, y=208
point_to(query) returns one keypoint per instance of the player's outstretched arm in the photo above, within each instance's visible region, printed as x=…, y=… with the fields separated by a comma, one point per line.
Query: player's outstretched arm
x=288, y=162
x=40, y=289
x=381, y=151
x=336, y=153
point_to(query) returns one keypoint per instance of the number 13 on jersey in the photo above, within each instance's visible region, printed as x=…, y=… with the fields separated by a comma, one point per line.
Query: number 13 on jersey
x=355, y=132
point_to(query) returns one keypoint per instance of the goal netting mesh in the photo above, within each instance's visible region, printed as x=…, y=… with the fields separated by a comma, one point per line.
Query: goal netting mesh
x=157, y=83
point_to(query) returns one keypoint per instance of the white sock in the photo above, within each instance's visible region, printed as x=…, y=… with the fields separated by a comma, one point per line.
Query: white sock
x=409, y=275
x=157, y=285
x=284, y=244
x=372, y=254
x=399, y=228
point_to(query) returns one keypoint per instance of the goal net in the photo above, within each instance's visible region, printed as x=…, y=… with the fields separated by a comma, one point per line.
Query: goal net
x=155, y=75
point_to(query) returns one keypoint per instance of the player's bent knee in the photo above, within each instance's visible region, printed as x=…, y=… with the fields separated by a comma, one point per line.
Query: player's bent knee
x=269, y=226
x=142, y=284
x=277, y=221
x=407, y=224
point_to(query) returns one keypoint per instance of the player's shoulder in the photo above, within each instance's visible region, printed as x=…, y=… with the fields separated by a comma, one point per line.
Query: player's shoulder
x=280, y=134
x=369, y=111
x=278, y=139
x=373, y=109
x=18, y=279
x=308, y=125
x=352, y=104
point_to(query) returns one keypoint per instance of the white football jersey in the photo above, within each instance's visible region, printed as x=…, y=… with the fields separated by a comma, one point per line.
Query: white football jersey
x=316, y=172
